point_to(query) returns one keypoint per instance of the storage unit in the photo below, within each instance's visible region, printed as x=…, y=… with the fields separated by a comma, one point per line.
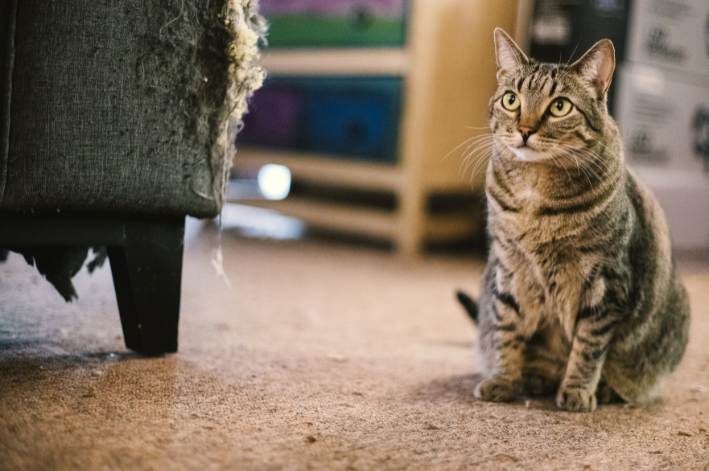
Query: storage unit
x=436, y=86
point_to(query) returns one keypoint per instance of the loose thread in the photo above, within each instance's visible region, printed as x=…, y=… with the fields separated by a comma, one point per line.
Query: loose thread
x=218, y=258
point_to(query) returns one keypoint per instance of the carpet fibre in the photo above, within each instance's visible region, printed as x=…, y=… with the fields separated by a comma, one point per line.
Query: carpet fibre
x=320, y=357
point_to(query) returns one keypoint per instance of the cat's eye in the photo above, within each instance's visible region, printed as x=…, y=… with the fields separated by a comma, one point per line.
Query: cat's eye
x=560, y=107
x=510, y=101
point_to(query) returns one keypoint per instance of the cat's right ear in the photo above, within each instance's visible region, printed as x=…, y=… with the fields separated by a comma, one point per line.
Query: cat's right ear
x=509, y=56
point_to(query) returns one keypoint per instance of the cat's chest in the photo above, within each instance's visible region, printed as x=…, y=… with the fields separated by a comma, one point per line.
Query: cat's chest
x=549, y=271
x=537, y=239
x=524, y=222
x=550, y=283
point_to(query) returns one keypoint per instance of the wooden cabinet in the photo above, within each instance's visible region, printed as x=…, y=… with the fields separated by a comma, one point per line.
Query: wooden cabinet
x=447, y=73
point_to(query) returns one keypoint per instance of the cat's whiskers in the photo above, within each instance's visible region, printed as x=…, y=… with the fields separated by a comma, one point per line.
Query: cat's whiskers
x=588, y=163
x=585, y=168
x=615, y=155
x=483, y=158
x=582, y=165
x=596, y=160
x=479, y=165
x=463, y=143
x=477, y=129
x=560, y=163
x=483, y=144
x=588, y=171
x=476, y=145
x=588, y=158
x=581, y=169
x=478, y=141
x=558, y=158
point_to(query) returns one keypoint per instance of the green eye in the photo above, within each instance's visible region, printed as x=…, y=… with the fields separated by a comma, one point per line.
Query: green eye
x=560, y=107
x=510, y=101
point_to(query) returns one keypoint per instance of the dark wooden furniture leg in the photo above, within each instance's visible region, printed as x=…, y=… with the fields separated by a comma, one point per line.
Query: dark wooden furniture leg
x=146, y=260
x=147, y=276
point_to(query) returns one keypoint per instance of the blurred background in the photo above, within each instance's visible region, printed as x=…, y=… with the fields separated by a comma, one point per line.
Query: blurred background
x=368, y=123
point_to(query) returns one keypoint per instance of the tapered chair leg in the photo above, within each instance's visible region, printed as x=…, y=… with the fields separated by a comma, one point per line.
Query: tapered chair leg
x=147, y=275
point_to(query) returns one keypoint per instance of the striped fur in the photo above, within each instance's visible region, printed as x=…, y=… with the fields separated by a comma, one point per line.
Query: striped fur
x=580, y=295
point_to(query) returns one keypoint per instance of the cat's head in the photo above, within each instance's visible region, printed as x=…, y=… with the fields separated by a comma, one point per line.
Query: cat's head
x=544, y=111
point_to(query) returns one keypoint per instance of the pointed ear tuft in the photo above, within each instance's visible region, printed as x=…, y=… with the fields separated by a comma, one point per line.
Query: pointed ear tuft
x=596, y=67
x=509, y=56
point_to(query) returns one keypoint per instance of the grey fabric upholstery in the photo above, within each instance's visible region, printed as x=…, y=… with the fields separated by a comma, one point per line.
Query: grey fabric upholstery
x=114, y=106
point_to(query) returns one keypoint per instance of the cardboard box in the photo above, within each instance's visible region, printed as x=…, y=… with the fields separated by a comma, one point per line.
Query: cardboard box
x=671, y=33
x=664, y=120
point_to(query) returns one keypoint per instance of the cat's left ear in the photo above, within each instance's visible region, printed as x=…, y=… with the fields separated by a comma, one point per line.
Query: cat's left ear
x=596, y=67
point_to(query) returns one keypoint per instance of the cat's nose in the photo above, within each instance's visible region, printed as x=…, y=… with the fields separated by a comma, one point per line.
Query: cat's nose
x=526, y=132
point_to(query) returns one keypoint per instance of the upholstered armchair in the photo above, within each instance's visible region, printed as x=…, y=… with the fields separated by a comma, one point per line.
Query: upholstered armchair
x=117, y=119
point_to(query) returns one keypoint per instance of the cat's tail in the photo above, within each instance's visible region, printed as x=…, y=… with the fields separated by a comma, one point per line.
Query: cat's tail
x=471, y=307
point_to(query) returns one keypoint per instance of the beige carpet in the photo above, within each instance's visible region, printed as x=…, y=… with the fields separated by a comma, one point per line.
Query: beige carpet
x=320, y=356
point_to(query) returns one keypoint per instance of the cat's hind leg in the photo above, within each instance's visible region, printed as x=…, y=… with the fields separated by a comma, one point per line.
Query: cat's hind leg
x=538, y=385
x=606, y=394
x=640, y=360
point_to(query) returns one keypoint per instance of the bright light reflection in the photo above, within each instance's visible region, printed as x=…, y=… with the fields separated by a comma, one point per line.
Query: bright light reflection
x=274, y=181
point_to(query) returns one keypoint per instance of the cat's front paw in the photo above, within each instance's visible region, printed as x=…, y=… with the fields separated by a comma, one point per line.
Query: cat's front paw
x=576, y=400
x=496, y=390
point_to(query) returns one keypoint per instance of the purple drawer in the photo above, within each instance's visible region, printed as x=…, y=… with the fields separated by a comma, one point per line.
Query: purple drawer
x=274, y=117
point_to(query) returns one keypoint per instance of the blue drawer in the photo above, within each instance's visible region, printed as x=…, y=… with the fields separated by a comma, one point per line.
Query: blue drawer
x=356, y=118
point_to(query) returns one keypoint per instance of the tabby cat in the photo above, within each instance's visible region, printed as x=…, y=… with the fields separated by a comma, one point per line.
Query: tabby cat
x=580, y=294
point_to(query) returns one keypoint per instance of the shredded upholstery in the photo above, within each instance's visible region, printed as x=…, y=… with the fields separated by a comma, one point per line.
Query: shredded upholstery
x=203, y=63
